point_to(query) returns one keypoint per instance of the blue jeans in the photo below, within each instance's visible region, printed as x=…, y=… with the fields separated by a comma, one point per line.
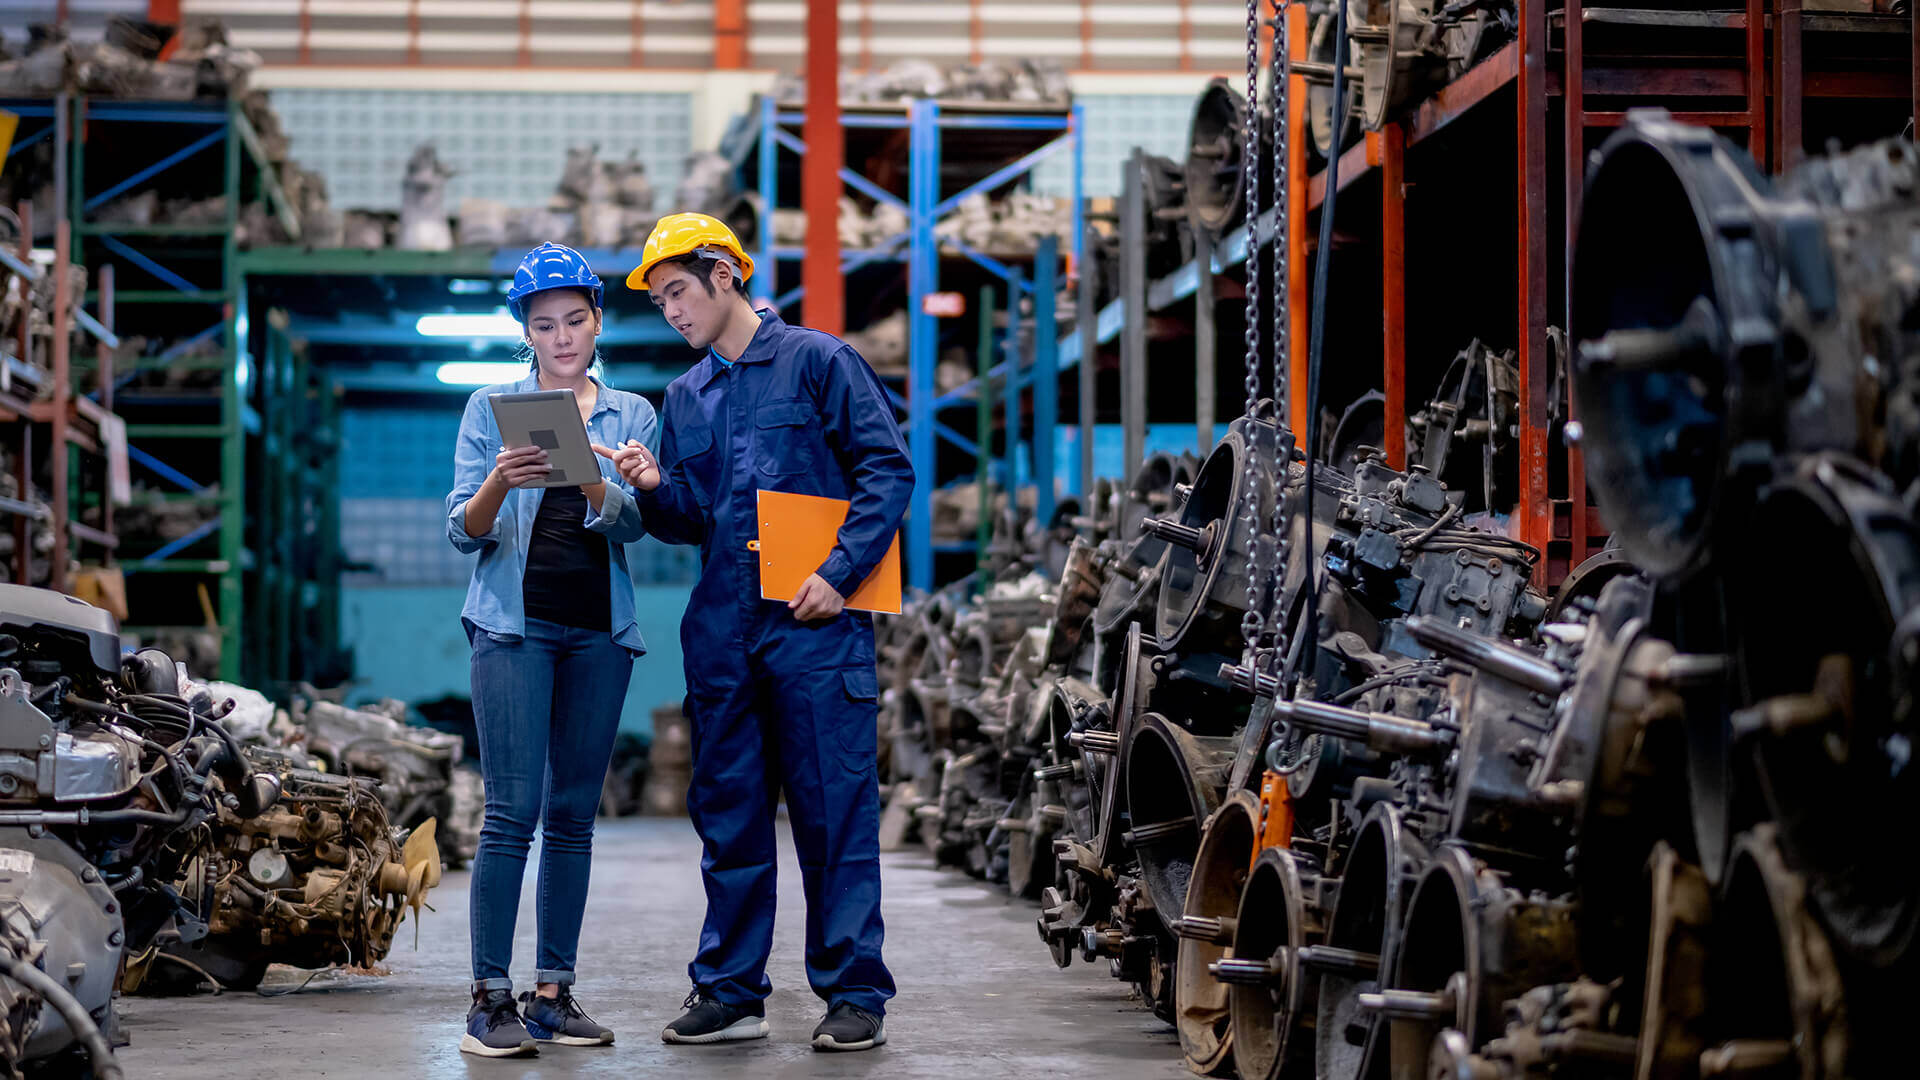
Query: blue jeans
x=546, y=708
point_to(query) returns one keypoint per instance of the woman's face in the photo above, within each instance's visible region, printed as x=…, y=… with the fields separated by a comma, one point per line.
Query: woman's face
x=562, y=327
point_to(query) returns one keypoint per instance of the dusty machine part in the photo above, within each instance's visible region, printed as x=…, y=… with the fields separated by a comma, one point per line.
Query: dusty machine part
x=1175, y=781
x=424, y=225
x=1216, y=173
x=109, y=777
x=1206, y=929
x=1765, y=335
x=1470, y=943
x=415, y=765
x=1466, y=435
x=1159, y=485
x=1680, y=921
x=1273, y=1000
x=1320, y=112
x=321, y=878
x=1363, y=934
x=1776, y=1000
x=1769, y=345
x=1203, y=591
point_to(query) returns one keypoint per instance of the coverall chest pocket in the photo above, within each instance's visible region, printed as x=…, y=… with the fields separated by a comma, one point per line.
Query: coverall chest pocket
x=784, y=431
x=700, y=459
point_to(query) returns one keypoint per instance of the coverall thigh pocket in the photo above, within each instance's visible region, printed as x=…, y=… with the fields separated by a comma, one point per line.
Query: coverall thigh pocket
x=853, y=701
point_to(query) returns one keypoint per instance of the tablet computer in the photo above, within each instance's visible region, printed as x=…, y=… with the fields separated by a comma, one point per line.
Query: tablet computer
x=550, y=420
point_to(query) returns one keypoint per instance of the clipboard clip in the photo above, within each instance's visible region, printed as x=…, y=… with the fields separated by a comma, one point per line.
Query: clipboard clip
x=753, y=545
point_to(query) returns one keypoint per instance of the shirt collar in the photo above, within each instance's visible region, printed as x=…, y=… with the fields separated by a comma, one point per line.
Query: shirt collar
x=764, y=346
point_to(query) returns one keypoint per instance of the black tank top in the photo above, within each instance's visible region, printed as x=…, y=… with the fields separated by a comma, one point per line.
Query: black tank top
x=566, y=580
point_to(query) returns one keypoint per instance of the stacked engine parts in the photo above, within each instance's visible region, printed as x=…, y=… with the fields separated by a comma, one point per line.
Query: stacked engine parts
x=126, y=64
x=321, y=878
x=1024, y=81
x=1350, y=798
x=141, y=818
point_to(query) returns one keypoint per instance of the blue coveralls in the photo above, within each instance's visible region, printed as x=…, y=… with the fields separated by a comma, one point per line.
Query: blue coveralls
x=771, y=700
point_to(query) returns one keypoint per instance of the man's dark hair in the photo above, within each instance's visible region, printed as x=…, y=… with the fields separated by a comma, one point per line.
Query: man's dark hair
x=702, y=267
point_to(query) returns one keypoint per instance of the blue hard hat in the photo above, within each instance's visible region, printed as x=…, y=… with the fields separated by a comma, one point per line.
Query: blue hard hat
x=552, y=266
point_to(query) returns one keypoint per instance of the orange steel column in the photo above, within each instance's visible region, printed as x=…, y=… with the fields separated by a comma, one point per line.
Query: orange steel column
x=1393, y=286
x=730, y=33
x=166, y=12
x=1535, y=523
x=825, y=306
x=1299, y=295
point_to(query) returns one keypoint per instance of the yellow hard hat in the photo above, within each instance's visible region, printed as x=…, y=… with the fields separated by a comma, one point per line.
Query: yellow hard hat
x=683, y=234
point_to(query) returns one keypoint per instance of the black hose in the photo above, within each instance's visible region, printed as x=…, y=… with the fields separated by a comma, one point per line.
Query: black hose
x=85, y=1031
x=1317, y=339
x=1452, y=511
x=1423, y=673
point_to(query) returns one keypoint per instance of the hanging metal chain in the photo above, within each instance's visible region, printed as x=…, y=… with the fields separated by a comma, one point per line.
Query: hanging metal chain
x=1281, y=268
x=1250, y=623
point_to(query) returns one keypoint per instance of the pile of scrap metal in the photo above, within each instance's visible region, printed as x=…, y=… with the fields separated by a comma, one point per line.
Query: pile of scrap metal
x=369, y=806
x=418, y=771
x=1348, y=798
x=597, y=203
x=126, y=64
x=120, y=784
x=1023, y=81
x=27, y=298
x=1009, y=226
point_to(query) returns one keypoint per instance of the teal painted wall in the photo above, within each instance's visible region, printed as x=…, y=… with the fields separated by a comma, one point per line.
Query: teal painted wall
x=408, y=644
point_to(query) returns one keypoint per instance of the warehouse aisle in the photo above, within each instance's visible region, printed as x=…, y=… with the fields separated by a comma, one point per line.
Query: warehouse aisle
x=978, y=997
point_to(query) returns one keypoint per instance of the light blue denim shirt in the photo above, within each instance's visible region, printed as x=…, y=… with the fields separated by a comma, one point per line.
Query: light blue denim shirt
x=494, y=600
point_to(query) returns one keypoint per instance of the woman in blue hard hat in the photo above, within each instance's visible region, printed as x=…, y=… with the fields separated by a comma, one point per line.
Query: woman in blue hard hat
x=549, y=614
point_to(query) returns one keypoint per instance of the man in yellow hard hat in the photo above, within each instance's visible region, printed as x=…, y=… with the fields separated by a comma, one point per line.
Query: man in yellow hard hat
x=778, y=694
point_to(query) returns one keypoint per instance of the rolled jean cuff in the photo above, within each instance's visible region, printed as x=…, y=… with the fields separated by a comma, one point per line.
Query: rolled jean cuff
x=481, y=986
x=564, y=978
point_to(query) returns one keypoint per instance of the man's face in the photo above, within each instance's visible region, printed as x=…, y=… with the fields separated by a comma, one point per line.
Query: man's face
x=698, y=313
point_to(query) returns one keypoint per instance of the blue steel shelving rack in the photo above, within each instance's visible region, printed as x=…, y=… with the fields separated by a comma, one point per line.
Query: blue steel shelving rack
x=217, y=127
x=928, y=124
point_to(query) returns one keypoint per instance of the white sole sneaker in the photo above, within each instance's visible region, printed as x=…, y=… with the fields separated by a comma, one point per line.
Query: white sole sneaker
x=471, y=1045
x=576, y=1040
x=747, y=1027
x=828, y=1042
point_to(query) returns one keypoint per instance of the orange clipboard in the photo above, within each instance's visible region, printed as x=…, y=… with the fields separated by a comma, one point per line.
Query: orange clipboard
x=797, y=532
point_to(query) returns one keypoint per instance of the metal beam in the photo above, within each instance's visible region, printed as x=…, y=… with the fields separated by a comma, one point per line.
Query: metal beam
x=1046, y=375
x=1133, y=339
x=1205, y=342
x=1087, y=337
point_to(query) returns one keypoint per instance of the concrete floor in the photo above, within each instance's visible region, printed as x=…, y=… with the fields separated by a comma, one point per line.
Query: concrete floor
x=978, y=996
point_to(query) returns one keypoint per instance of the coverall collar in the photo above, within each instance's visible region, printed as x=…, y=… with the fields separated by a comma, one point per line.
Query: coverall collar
x=764, y=346
x=602, y=401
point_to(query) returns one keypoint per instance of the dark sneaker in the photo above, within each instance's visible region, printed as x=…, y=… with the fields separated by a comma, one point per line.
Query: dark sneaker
x=494, y=1028
x=708, y=1021
x=849, y=1027
x=561, y=1020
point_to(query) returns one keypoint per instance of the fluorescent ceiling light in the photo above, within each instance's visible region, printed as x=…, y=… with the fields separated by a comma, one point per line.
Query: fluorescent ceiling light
x=496, y=324
x=480, y=372
x=469, y=286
